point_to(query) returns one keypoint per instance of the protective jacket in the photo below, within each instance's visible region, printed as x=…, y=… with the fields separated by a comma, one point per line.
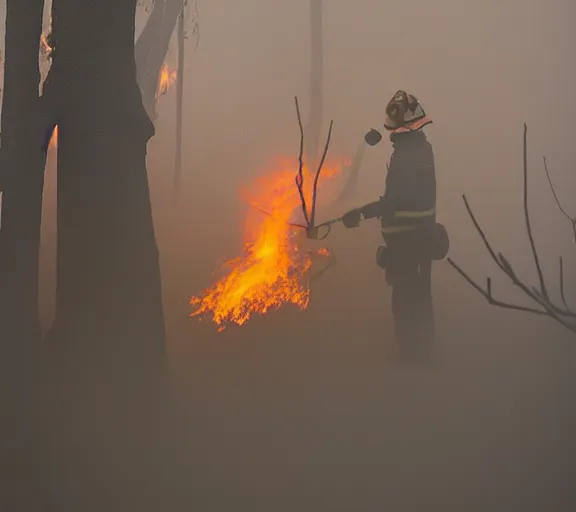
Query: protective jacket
x=409, y=201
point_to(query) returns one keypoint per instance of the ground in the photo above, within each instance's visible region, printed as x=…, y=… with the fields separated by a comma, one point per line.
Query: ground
x=309, y=412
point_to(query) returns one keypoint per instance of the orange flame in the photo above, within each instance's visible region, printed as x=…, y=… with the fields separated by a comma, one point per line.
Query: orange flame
x=165, y=81
x=54, y=139
x=274, y=267
x=45, y=46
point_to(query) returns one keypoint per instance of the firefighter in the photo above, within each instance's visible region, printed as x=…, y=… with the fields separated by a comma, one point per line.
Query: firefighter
x=407, y=212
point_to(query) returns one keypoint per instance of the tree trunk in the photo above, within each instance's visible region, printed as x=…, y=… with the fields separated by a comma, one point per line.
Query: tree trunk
x=152, y=46
x=314, y=126
x=21, y=174
x=24, y=482
x=109, y=329
x=108, y=273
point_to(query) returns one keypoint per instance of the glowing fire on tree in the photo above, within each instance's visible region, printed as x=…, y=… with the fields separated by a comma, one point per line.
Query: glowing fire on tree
x=165, y=80
x=54, y=139
x=275, y=266
x=45, y=47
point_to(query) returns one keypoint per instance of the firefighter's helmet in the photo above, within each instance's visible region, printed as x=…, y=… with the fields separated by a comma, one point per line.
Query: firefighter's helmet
x=404, y=113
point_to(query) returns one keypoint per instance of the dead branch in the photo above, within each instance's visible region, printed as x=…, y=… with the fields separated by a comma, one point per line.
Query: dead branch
x=545, y=306
x=527, y=216
x=309, y=218
x=318, y=171
x=558, y=203
x=300, y=175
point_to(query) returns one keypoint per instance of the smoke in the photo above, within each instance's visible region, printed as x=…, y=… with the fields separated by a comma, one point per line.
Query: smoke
x=308, y=410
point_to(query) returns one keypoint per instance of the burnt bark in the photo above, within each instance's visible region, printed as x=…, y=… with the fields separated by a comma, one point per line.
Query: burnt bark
x=24, y=473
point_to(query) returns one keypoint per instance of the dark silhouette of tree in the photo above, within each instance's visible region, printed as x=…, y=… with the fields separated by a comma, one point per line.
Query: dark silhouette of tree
x=107, y=343
x=544, y=305
x=106, y=346
x=21, y=173
x=24, y=475
x=108, y=285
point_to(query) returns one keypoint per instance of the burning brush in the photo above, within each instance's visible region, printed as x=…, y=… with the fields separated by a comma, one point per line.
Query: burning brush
x=277, y=266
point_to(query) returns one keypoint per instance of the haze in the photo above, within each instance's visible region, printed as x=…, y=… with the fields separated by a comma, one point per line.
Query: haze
x=306, y=410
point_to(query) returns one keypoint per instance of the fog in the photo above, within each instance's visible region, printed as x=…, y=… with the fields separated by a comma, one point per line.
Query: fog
x=308, y=410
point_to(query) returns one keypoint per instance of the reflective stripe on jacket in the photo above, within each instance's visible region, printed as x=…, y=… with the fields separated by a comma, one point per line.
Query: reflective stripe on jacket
x=416, y=221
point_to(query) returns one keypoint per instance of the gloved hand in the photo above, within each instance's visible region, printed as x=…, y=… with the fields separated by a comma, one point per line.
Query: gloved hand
x=373, y=137
x=352, y=218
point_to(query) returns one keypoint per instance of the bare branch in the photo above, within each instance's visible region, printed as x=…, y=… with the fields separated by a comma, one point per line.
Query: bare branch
x=527, y=216
x=562, y=315
x=483, y=236
x=312, y=229
x=562, y=294
x=556, y=309
x=300, y=175
x=318, y=171
x=487, y=292
x=560, y=207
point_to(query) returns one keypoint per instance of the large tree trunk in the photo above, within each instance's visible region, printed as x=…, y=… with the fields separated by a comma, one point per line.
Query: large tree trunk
x=24, y=483
x=314, y=126
x=21, y=173
x=109, y=327
x=108, y=272
x=152, y=46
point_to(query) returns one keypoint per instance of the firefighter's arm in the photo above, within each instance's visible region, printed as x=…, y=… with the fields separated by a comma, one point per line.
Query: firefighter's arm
x=371, y=210
x=377, y=209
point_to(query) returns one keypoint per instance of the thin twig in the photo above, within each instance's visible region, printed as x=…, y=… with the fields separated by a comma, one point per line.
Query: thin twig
x=527, y=216
x=562, y=294
x=487, y=293
x=500, y=260
x=300, y=175
x=318, y=171
x=560, y=207
x=557, y=310
x=481, y=231
x=265, y=212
